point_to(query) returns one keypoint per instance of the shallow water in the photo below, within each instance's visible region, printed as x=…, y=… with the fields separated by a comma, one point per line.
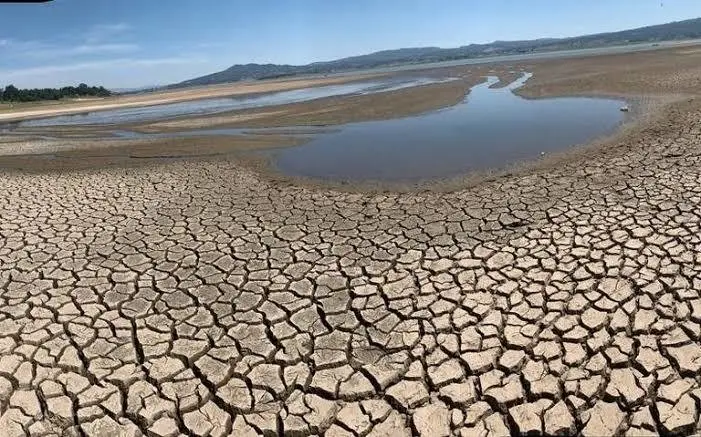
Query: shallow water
x=491, y=129
x=213, y=106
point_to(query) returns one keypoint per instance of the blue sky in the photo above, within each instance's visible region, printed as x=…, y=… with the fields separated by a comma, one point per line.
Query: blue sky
x=130, y=43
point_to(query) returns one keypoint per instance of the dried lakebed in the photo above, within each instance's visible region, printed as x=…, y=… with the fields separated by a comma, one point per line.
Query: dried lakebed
x=196, y=298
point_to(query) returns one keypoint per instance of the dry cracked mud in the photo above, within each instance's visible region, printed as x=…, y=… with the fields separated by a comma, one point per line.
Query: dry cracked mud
x=200, y=299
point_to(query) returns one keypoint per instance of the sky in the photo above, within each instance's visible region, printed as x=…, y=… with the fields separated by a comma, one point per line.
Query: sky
x=134, y=43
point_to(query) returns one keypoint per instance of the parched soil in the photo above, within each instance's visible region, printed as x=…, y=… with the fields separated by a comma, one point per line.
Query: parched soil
x=82, y=154
x=199, y=298
x=660, y=72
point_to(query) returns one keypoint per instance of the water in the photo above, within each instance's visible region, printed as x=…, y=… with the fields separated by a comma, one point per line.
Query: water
x=213, y=106
x=491, y=129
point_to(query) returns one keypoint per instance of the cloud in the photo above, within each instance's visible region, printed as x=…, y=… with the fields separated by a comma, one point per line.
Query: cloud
x=117, y=27
x=40, y=51
x=49, y=52
x=97, y=40
x=102, y=54
x=120, y=72
x=211, y=45
x=97, y=65
x=102, y=48
x=100, y=32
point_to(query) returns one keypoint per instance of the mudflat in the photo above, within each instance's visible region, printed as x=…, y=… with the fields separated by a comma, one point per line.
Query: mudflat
x=77, y=106
x=199, y=297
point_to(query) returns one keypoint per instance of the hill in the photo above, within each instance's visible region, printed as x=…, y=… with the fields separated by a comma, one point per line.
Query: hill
x=678, y=30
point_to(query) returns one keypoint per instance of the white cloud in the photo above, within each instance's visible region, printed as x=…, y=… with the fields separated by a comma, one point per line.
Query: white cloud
x=100, y=32
x=102, y=54
x=100, y=39
x=102, y=48
x=122, y=62
x=121, y=72
x=51, y=52
x=116, y=27
x=211, y=45
x=39, y=51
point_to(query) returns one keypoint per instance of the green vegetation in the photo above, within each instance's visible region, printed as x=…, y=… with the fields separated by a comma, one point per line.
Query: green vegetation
x=13, y=94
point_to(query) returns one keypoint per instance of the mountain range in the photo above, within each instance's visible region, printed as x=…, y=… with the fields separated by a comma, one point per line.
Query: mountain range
x=679, y=30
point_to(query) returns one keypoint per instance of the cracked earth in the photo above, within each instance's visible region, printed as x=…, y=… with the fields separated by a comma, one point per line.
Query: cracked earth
x=199, y=299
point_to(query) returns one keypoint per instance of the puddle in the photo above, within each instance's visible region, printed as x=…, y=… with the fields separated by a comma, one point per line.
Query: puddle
x=491, y=129
x=213, y=106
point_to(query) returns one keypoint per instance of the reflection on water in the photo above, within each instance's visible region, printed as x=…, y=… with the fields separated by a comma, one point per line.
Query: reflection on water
x=213, y=106
x=492, y=128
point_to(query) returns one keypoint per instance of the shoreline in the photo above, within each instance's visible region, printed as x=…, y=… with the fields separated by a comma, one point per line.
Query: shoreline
x=643, y=110
x=80, y=140
x=637, y=119
x=643, y=115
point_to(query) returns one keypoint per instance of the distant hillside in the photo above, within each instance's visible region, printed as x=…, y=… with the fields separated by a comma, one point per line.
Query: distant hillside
x=679, y=30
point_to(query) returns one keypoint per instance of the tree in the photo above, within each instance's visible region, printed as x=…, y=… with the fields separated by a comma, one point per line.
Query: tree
x=11, y=93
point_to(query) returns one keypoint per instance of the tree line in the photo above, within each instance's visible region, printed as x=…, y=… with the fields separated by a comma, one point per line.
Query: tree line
x=12, y=94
